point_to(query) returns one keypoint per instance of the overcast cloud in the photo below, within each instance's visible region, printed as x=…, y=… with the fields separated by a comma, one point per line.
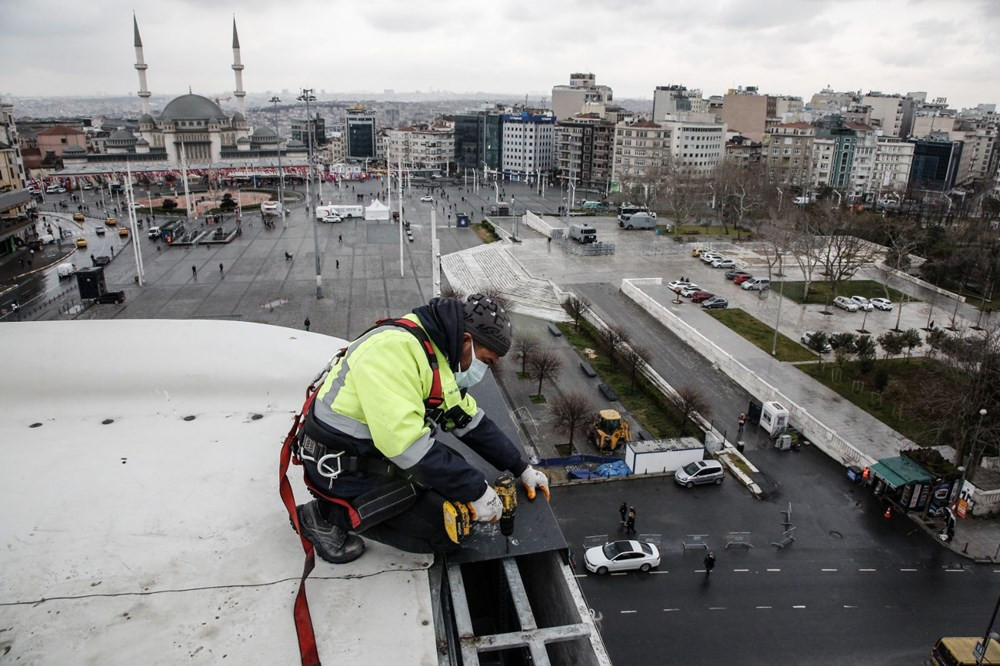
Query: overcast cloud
x=947, y=48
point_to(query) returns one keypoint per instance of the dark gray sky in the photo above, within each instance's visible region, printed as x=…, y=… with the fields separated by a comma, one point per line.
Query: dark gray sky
x=947, y=48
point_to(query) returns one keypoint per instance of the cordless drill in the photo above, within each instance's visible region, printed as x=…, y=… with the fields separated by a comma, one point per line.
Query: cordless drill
x=506, y=490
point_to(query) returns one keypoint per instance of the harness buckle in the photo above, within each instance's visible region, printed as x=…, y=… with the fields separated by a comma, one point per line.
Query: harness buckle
x=324, y=470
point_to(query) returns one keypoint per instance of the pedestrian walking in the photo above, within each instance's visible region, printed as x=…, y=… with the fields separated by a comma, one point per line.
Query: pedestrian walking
x=307, y=323
x=340, y=238
x=623, y=511
x=220, y=269
x=630, y=521
x=742, y=421
x=338, y=264
x=194, y=271
x=709, y=563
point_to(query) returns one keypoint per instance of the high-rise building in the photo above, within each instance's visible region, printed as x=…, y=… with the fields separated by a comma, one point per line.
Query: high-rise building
x=893, y=114
x=585, y=146
x=676, y=99
x=891, y=172
x=360, y=133
x=300, y=130
x=935, y=162
x=642, y=150
x=528, y=144
x=746, y=111
x=582, y=95
x=479, y=140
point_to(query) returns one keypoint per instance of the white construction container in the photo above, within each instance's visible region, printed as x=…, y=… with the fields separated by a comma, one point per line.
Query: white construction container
x=662, y=455
x=773, y=418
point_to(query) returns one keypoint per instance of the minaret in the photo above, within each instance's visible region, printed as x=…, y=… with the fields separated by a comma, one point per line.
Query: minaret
x=238, y=69
x=140, y=67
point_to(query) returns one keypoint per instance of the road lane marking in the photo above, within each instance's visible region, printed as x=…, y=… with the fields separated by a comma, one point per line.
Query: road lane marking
x=659, y=572
x=955, y=570
x=846, y=606
x=867, y=570
x=579, y=575
x=763, y=607
x=907, y=569
x=716, y=608
x=741, y=570
x=798, y=606
x=625, y=612
x=620, y=573
x=670, y=610
x=774, y=569
x=827, y=569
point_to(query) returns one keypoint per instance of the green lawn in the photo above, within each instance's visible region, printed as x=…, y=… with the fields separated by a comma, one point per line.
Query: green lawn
x=703, y=230
x=762, y=335
x=650, y=407
x=820, y=292
x=895, y=413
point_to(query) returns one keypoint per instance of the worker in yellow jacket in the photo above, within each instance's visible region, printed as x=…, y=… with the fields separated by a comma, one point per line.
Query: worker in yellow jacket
x=369, y=441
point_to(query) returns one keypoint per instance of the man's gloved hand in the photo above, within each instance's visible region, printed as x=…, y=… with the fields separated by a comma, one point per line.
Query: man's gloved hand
x=532, y=479
x=488, y=507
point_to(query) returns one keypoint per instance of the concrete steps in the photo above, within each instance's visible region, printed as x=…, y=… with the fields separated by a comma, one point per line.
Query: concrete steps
x=479, y=268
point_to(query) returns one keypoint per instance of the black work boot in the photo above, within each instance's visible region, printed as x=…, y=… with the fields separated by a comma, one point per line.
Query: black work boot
x=333, y=544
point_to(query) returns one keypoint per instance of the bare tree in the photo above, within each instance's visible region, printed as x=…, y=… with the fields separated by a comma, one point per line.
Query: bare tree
x=571, y=412
x=842, y=250
x=681, y=193
x=576, y=307
x=544, y=364
x=612, y=338
x=524, y=346
x=804, y=246
x=635, y=358
x=690, y=400
x=737, y=191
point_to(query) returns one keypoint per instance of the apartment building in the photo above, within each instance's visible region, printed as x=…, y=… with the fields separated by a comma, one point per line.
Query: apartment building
x=423, y=147
x=582, y=95
x=528, y=144
x=787, y=150
x=642, y=150
x=741, y=150
x=891, y=171
x=977, y=133
x=676, y=99
x=745, y=111
x=697, y=145
x=862, y=162
x=585, y=147
x=14, y=197
x=893, y=114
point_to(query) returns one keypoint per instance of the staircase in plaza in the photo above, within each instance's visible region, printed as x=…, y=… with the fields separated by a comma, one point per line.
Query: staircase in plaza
x=492, y=265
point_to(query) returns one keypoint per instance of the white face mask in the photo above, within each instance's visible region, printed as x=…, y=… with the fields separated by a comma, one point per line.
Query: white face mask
x=475, y=373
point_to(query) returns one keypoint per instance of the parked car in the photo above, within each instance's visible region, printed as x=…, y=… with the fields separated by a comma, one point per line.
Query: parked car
x=111, y=297
x=756, y=284
x=881, y=303
x=863, y=303
x=701, y=295
x=622, y=556
x=427, y=199
x=807, y=337
x=734, y=273
x=697, y=251
x=689, y=291
x=697, y=473
x=679, y=284
x=743, y=277
x=709, y=257
x=715, y=302
x=844, y=303
x=723, y=263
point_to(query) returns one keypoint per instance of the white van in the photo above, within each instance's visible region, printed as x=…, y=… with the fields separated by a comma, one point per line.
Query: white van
x=756, y=284
x=639, y=221
x=65, y=270
x=47, y=239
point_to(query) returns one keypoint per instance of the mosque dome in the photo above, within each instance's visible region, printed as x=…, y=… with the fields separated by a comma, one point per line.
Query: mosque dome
x=121, y=135
x=192, y=107
x=146, y=119
x=243, y=139
x=238, y=118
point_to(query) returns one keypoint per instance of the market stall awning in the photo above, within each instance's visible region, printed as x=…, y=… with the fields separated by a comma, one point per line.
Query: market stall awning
x=900, y=471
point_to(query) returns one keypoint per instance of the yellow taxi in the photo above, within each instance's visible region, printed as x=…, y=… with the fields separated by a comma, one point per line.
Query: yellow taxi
x=81, y=242
x=78, y=217
x=123, y=232
x=696, y=252
x=111, y=222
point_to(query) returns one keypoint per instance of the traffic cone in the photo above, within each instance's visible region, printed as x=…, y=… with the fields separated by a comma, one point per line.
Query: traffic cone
x=888, y=512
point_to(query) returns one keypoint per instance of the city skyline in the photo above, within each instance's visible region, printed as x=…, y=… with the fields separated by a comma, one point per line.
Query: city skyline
x=896, y=46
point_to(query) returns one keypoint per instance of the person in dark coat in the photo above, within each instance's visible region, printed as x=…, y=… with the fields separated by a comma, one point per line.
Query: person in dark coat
x=623, y=510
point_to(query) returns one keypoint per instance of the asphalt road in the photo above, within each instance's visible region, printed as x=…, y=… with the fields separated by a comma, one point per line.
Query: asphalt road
x=853, y=588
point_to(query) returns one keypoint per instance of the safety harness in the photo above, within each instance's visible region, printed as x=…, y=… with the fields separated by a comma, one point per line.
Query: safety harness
x=298, y=447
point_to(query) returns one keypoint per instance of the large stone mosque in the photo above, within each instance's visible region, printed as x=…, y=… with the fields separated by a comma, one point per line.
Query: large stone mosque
x=191, y=130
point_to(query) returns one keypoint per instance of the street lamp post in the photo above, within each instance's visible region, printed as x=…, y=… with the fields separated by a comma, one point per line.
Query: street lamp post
x=281, y=172
x=307, y=97
x=969, y=472
x=781, y=295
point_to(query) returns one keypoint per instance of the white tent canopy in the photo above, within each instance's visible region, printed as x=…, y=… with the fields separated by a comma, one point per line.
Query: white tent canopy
x=376, y=210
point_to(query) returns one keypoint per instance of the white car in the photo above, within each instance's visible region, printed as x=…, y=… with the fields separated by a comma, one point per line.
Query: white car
x=689, y=291
x=709, y=257
x=844, y=303
x=723, y=263
x=807, y=338
x=678, y=284
x=881, y=303
x=622, y=556
x=427, y=198
x=332, y=217
x=863, y=303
